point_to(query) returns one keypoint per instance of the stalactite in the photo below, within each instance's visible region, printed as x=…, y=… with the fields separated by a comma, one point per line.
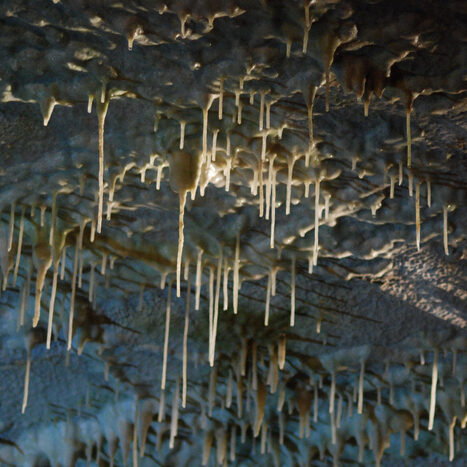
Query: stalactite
x=186, y=270
x=281, y=347
x=428, y=193
x=161, y=414
x=185, y=342
x=174, y=415
x=290, y=166
x=273, y=374
x=211, y=309
x=166, y=338
x=261, y=394
x=318, y=325
x=90, y=100
x=205, y=134
x=236, y=275
x=101, y=114
x=42, y=221
x=281, y=398
x=216, y=310
x=182, y=134
x=268, y=301
x=261, y=111
x=103, y=91
x=417, y=214
x=360, y=387
x=264, y=432
x=24, y=304
x=228, y=169
x=81, y=255
x=221, y=440
x=63, y=263
x=333, y=428
x=221, y=97
x=268, y=115
x=26, y=380
x=143, y=179
x=269, y=185
x=43, y=260
x=434, y=382
x=339, y=411
x=198, y=278
x=92, y=235
x=273, y=208
x=104, y=263
x=281, y=428
x=332, y=393
x=254, y=184
x=445, y=230
x=391, y=191
x=410, y=185
x=317, y=211
x=20, y=246
x=305, y=40
x=225, y=285
x=214, y=144
x=47, y=105
x=452, y=424
x=135, y=438
x=366, y=105
x=159, y=178
x=52, y=305
x=53, y=218
x=182, y=201
x=243, y=356
x=261, y=188
x=274, y=270
x=73, y=295
x=309, y=95
x=208, y=439
x=288, y=47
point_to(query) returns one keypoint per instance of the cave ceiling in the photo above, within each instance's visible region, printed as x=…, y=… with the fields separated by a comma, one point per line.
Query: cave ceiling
x=233, y=232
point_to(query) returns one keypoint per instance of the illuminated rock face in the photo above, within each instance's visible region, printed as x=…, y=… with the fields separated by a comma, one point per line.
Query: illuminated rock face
x=235, y=236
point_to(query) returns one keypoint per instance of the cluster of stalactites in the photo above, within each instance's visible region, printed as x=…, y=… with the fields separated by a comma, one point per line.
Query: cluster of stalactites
x=265, y=405
x=49, y=250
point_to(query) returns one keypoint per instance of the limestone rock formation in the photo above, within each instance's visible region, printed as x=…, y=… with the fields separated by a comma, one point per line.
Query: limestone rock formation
x=233, y=232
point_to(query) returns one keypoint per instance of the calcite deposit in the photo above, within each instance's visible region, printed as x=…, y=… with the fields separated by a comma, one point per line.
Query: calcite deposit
x=233, y=232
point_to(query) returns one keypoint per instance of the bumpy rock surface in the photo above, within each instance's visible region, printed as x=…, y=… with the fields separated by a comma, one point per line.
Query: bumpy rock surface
x=233, y=232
